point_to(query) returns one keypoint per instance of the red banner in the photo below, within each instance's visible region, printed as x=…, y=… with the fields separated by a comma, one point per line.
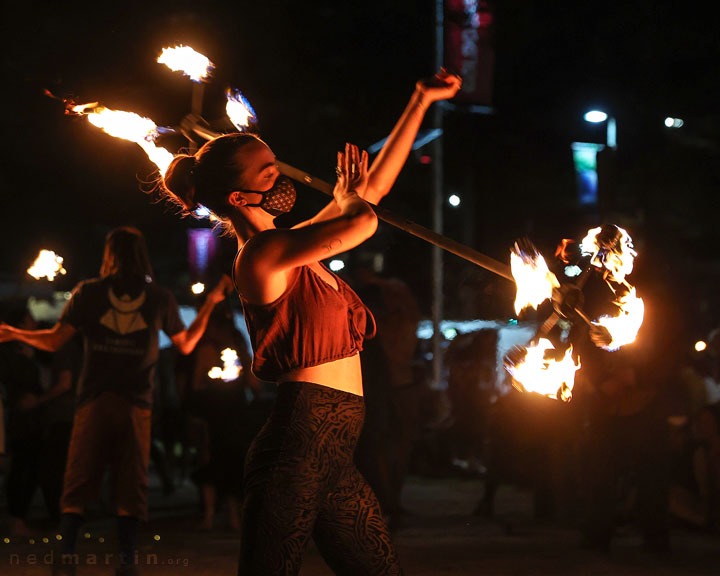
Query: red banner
x=468, y=48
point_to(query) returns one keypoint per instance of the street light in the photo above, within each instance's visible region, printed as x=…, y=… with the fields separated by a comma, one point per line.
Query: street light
x=597, y=116
x=671, y=122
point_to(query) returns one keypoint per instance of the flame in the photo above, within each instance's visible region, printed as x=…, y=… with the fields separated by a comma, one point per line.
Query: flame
x=47, y=264
x=534, y=281
x=617, y=260
x=186, y=60
x=563, y=250
x=623, y=327
x=239, y=110
x=128, y=126
x=546, y=376
x=231, y=367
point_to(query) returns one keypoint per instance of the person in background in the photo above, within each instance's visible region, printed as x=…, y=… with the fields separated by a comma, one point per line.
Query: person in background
x=221, y=405
x=119, y=316
x=20, y=377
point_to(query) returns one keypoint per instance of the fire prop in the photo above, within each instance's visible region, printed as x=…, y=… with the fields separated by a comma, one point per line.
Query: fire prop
x=540, y=367
x=544, y=367
x=540, y=371
x=47, y=265
x=535, y=283
x=186, y=60
x=231, y=367
x=128, y=126
x=239, y=110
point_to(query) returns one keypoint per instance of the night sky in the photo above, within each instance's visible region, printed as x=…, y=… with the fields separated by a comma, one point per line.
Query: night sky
x=323, y=72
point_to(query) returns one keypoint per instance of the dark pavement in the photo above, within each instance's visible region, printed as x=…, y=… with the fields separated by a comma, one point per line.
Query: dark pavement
x=440, y=537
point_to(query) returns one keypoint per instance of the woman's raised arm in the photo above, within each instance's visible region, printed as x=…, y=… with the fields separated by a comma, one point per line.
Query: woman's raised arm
x=386, y=167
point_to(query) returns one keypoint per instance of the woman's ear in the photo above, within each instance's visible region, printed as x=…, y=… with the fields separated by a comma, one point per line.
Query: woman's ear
x=237, y=199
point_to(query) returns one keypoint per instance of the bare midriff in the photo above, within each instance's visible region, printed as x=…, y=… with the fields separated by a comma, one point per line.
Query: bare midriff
x=344, y=374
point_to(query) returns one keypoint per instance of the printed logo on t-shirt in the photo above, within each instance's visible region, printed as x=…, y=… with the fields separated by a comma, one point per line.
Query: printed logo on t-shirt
x=124, y=315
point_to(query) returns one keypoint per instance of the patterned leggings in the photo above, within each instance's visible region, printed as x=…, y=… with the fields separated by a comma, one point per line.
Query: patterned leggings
x=300, y=481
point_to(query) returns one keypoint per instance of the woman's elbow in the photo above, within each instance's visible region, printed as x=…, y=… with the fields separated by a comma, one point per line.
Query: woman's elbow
x=367, y=223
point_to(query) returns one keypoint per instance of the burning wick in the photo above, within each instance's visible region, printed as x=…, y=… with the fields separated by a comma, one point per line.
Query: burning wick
x=239, y=110
x=611, y=248
x=47, y=264
x=534, y=281
x=127, y=126
x=186, y=60
x=534, y=371
x=623, y=327
x=231, y=367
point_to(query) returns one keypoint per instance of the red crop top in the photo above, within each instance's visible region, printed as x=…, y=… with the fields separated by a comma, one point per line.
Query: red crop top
x=310, y=324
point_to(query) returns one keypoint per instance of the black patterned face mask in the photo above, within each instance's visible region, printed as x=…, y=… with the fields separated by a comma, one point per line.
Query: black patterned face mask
x=279, y=199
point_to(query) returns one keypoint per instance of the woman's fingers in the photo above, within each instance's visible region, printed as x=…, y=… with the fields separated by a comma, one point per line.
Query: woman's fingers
x=363, y=164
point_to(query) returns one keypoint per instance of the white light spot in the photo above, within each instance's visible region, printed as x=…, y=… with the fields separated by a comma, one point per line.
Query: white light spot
x=336, y=265
x=595, y=116
x=454, y=200
x=202, y=212
x=572, y=271
x=700, y=346
x=450, y=333
x=198, y=288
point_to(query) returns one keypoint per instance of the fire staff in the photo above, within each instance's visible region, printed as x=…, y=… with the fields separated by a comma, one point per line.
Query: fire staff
x=307, y=328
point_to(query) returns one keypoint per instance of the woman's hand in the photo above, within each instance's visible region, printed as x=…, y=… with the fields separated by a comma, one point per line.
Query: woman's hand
x=442, y=86
x=352, y=167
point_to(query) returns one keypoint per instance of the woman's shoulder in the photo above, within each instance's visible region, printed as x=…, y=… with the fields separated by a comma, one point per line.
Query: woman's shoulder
x=253, y=274
x=256, y=247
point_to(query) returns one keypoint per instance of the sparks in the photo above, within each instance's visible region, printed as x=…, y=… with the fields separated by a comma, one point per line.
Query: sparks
x=546, y=376
x=186, y=60
x=239, y=110
x=48, y=265
x=623, y=327
x=533, y=279
x=127, y=126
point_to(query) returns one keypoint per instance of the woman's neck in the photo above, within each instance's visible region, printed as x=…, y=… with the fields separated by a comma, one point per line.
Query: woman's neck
x=247, y=225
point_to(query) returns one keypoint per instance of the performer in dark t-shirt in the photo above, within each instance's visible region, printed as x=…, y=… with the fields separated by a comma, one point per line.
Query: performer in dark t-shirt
x=119, y=316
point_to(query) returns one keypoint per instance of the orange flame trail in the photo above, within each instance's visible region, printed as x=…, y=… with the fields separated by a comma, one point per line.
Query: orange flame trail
x=127, y=126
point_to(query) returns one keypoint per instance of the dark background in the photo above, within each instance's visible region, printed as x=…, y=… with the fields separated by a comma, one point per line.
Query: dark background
x=323, y=72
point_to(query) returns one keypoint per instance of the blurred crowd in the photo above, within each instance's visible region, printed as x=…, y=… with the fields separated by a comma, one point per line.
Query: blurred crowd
x=639, y=444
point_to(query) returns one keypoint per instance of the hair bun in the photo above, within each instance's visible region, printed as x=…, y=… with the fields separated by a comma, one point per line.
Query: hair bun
x=179, y=181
